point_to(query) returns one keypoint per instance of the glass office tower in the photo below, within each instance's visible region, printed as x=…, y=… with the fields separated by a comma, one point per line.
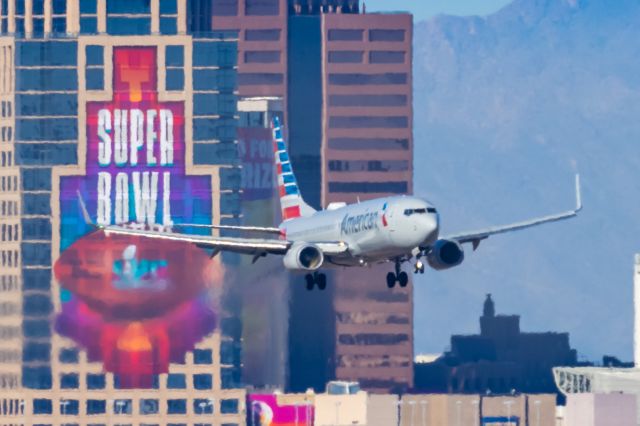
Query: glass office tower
x=131, y=107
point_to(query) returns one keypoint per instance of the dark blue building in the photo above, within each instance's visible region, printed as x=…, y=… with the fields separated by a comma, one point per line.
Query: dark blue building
x=162, y=79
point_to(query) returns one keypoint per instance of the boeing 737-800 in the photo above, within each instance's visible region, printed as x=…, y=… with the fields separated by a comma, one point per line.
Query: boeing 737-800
x=397, y=229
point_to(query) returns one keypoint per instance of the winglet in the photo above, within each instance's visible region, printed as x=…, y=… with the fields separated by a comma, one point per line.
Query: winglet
x=578, y=194
x=85, y=213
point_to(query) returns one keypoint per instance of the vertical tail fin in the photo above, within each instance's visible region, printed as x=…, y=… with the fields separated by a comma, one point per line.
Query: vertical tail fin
x=291, y=201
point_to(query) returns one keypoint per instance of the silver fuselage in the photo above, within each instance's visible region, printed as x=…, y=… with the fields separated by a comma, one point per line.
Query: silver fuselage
x=375, y=230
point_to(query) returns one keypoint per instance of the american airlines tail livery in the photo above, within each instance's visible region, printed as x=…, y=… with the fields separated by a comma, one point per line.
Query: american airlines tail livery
x=398, y=229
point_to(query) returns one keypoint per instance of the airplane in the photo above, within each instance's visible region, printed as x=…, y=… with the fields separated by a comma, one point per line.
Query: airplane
x=395, y=229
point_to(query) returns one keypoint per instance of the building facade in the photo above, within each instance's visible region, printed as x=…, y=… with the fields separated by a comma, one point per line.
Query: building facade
x=345, y=80
x=350, y=132
x=131, y=108
x=501, y=359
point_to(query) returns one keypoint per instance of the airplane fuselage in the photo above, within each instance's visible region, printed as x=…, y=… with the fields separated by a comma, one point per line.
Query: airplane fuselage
x=374, y=231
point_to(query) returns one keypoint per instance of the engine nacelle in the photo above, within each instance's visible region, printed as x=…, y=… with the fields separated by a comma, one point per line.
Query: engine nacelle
x=445, y=254
x=303, y=257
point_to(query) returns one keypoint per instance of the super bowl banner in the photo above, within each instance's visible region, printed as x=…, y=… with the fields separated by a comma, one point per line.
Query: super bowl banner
x=134, y=305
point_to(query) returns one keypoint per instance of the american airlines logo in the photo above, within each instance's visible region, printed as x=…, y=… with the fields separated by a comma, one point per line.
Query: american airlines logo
x=359, y=223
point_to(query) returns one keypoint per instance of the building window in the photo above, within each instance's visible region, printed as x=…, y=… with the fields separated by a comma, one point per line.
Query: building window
x=386, y=57
x=369, y=187
x=174, y=62
x=368, y=100
x=346, y=56
x=96, y=406
x=69, y=381
x=229, y=406
x=176, y=406
x=122, y=406
x=129, y=7
x=42, y=406
x=176, y=381
x=225, y=8
x=374, y=339
x=69, y=407
x=168, y=25
x=168, y=7
x=202, y=356
x=88, y=7
x=202, y=381
x=168, y=17
x=96, y=381
x=37, y=10
x=203, y=406
x=68, y=356
x=346, y=35
x=88, y=17
x=94, y=69
x=59, y=16
x=368, y=122
x=4, y=16
x=369, y=166
x=348, y=79
x=149, y=406
x=130, y=25
x=386, y=35
x=262, y=7
x=262, y=35
x=262, y=56
x=257, y=79
x=88, y=25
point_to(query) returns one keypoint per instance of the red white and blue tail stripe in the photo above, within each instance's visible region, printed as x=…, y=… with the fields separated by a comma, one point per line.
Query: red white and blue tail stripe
x=291, y=201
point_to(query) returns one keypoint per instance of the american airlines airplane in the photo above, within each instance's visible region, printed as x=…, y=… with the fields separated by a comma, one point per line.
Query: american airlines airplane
x=397, y=229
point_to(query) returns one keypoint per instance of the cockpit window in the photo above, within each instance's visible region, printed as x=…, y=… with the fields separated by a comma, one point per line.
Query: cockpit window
x=409, y=212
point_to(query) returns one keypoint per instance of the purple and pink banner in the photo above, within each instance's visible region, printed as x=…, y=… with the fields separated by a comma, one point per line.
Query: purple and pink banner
x=133, y=304
x=264, y=410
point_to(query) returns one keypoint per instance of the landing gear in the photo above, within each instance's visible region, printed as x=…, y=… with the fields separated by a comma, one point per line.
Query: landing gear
x=419, y=267
x=316, y=278
x=399, y=277
x=391, y=280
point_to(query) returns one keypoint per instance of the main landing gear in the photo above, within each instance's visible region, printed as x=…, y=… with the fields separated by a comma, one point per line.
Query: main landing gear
x=399, y=277
x=316, y=278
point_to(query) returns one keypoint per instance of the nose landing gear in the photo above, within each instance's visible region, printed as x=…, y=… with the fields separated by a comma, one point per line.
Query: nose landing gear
x=399, y=277
x=316, y=278
x=419, y=267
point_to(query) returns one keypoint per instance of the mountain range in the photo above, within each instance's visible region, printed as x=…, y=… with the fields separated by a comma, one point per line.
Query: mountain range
x=507, y=108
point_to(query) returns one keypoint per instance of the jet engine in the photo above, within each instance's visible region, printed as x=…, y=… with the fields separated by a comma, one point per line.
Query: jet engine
x=445, y=254
x=303, y=257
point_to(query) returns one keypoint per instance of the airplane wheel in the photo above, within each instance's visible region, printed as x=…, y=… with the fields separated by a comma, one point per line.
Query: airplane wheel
x=322, y=281
x=391, y=280
x=403, y=278
x=310, y=281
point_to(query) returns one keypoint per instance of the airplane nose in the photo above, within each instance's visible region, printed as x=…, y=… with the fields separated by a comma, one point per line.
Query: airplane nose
x=431, y=229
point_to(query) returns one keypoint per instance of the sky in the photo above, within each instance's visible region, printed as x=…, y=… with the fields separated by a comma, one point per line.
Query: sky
x=423, y=9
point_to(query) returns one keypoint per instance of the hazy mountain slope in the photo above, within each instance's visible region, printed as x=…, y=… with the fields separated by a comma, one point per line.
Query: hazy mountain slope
x=507, y=108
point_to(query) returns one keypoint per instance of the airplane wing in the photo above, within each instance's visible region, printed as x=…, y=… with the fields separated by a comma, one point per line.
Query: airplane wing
x=476, y=236
x=257, y=229
x=255, y=246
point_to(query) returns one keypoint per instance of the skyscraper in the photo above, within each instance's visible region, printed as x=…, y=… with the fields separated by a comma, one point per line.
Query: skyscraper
x=346, y=82
x=129, y=106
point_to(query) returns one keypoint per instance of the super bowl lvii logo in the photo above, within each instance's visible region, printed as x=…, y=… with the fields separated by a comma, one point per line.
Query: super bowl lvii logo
x=134, y=305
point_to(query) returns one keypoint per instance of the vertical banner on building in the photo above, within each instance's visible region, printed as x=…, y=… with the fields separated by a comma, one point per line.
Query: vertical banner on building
x=134, y=304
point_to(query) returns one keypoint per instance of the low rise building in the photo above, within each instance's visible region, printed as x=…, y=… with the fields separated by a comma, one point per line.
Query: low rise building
x=501, y=359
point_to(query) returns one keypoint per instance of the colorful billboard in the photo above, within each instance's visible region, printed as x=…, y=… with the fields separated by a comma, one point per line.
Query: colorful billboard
x=135, y=305
x=264, y=410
